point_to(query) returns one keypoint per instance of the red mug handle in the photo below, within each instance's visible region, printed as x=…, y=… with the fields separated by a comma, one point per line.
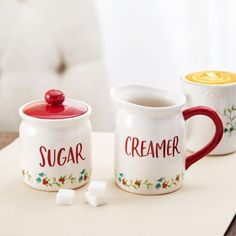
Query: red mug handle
x=206, y=111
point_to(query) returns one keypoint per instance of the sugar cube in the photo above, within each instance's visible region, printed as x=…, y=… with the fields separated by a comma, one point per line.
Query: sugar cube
x=65, y=197
x=97, y=188
x=94, y=200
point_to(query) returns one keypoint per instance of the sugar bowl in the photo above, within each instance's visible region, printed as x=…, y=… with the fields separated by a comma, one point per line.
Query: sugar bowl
x=55, y=142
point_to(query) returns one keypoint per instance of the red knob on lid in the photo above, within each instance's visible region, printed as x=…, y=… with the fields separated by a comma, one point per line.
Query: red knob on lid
x=52, y=107
x=54, y=97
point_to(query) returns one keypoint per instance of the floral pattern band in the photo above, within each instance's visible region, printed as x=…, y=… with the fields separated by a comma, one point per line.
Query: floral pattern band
x=48, y=181
x=229, y=115
x=161, y=183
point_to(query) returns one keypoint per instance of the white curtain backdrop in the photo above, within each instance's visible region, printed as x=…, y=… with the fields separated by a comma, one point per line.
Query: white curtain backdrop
x=155, y=41
x=63, y=44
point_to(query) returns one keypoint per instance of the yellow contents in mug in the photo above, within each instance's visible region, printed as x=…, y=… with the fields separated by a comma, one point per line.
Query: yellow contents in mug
x=212, y=77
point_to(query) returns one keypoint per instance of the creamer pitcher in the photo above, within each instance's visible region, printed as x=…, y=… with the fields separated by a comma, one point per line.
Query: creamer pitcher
x=150, y=138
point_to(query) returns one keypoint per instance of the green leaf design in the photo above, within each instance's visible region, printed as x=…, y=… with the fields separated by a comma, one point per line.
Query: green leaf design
x=121, y=174
x=149, y=185
x=80, y=179
x=134, y=187
x=161, y=179
x=82, y=172
x=158, y=185
x=41, y=174
x=233, y=118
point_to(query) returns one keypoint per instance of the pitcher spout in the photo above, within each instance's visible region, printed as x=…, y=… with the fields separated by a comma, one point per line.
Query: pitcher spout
x=144, y=98
x=125, y=94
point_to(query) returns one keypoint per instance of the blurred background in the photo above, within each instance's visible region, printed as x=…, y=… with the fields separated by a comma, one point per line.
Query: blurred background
x=84, y=47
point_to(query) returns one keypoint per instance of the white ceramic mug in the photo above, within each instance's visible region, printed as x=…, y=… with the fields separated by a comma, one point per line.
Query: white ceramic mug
x=55, y=142
x=222, y=98
x=150, y=138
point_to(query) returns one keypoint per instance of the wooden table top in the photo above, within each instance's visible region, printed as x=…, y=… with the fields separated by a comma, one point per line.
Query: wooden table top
x=6, y=138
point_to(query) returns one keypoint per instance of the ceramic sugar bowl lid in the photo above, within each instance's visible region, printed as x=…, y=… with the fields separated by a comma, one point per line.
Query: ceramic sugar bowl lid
x=55, y=106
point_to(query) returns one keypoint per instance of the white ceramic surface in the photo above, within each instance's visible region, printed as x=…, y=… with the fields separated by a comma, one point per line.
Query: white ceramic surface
x=222, y=98
x=55, y=153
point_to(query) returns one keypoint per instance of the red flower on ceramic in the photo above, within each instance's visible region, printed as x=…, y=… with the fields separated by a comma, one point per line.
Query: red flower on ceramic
x=62, y=180
x=164, y=185
x=45, y=182
x=124, y=181
x=138, y=183
x=85, y=177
